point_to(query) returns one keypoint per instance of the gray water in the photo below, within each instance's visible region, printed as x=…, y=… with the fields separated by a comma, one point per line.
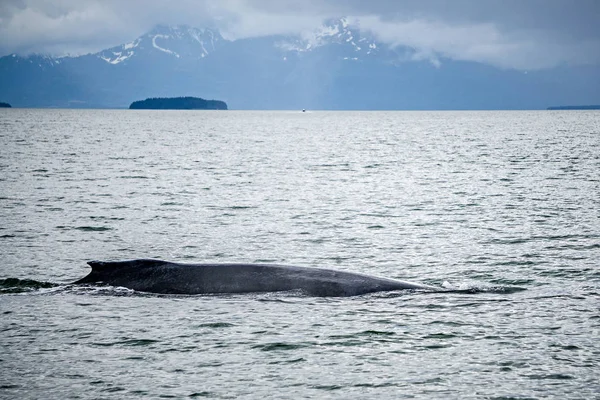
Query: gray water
x=502, y=205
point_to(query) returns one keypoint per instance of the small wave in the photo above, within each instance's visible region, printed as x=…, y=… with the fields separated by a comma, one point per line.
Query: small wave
x=15, y=285
x=558, y=376
x=277, y=346
x=543, y=238
x=93, y=228
x=327, y=387
x=375, y=333
x=127, y=342
x=202, y=394
x=470, y=288
x=216, y=325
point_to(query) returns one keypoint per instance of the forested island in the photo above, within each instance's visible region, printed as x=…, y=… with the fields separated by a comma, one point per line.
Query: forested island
x=592, y=107
x=178, y=103
x=4, y=105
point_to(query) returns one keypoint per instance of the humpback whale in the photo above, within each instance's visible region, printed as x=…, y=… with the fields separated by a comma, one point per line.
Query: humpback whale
x=163, y=277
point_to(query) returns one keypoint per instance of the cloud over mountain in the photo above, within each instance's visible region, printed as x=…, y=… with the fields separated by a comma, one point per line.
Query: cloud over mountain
x=516, y=34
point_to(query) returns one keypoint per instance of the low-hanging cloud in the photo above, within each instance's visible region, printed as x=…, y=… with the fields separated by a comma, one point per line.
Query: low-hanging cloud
x=483, y=42
x=524, y=35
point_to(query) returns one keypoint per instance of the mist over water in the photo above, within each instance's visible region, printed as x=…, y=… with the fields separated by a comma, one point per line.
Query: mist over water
x=506, y=204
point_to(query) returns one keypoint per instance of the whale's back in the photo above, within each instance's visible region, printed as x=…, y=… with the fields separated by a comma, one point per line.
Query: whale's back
x=157, y=276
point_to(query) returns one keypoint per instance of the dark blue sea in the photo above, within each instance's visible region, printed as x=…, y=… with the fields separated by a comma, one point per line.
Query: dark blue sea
x=504, y=206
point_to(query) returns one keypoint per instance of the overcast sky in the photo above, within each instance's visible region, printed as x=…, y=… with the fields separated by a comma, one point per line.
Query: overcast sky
x=521, y=34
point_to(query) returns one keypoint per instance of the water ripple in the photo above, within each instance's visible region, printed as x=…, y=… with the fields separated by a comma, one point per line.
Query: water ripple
x=497, y=208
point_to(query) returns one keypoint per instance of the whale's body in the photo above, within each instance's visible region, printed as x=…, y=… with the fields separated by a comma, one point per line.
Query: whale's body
x=156, y=276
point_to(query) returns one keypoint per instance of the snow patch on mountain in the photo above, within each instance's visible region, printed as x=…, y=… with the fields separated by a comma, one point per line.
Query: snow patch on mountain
x=204, y=37
x=194, y=34
x=118, y=57
x=182, y=42
x=42, y=60
x=162, y=48
x=131, y=45
x=118, y=54
x=335, y=31
x=185, y=41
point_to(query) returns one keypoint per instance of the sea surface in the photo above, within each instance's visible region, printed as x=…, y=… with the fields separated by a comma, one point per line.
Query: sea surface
x=502, y=208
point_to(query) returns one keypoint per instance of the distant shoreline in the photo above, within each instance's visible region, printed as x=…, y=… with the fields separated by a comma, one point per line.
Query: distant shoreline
x=5, y=105
x=61, y=107
x=590, y=107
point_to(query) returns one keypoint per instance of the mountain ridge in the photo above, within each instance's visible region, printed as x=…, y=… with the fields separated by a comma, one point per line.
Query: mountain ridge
x=336, y=66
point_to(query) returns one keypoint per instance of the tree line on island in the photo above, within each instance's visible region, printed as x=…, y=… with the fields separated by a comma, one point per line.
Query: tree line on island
x=178, y=103
x=4, y=105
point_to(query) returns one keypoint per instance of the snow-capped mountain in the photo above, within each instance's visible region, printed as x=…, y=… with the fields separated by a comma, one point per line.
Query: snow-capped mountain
x=338, y=32
x=40, y=60
x=172, y=41
x=335, y=66
x=192, y=43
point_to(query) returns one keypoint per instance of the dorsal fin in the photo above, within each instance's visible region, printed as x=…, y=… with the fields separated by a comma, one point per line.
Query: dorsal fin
x=103, y=265
x=100, y=269
x=110, y=265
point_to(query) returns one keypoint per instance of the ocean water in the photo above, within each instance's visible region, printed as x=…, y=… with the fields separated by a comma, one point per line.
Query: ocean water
x=504, y=206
